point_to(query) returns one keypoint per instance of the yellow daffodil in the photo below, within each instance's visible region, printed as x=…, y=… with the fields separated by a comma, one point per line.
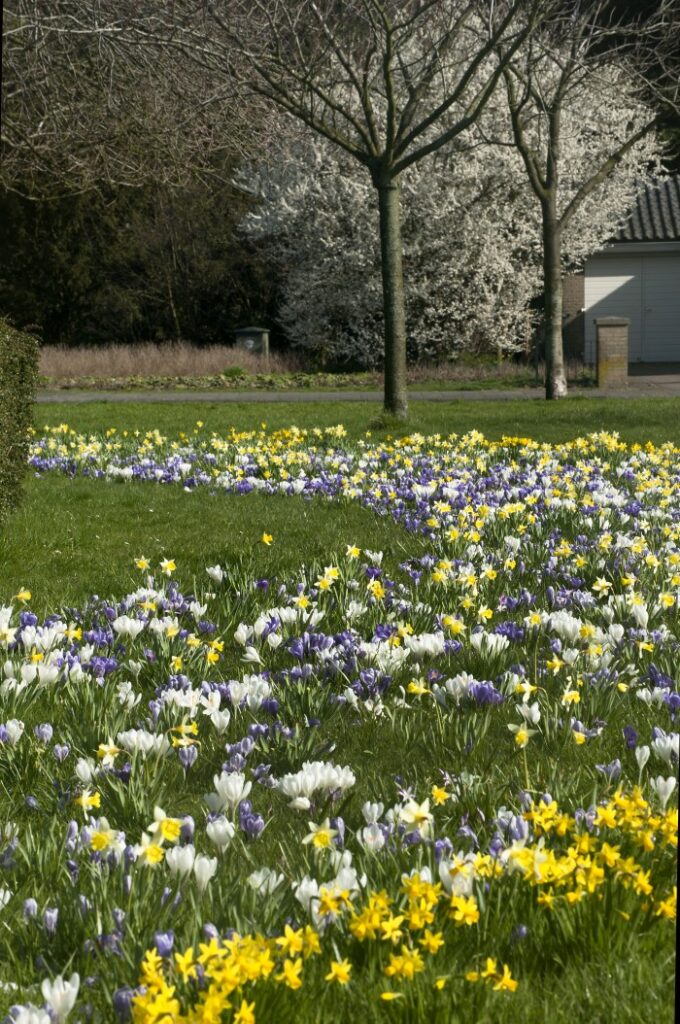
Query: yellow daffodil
x=339, y=972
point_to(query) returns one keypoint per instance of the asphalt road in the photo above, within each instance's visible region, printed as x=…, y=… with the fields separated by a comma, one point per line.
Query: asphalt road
x=667, y=386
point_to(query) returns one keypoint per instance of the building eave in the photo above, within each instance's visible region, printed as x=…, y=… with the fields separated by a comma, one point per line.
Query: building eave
x=635, y=249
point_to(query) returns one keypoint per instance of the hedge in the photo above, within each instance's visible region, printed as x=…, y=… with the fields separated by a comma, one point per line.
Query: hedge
x=18, y=380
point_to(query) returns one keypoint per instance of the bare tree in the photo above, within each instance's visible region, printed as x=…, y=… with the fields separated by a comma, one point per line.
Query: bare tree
x=582, y=55
x=85, y=101
x=388, y=81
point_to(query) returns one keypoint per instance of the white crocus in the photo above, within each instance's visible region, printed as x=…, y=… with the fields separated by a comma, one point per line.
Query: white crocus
x=490, y=644
x=124, y=626
x=642, y=756
x=251, y=656
x=242, y=633
x=204, y=869
x=665, y=745
x=372, y=812
x=265, y=881
x=230, y=789
x=60, y=995
x=663, y=788
x=139, y=741
x=126, y=695
x=211, y=702
x=30, y=1014
x=220, y=832
x=220, y=721
x=307, y=891
x=215, y=572
x=15, y=730
x=180, y=860
x=85, y=770
x=371, y=838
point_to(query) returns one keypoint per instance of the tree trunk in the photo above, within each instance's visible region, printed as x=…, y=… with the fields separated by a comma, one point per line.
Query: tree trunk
x=555, y=379
x=396, y=401
x=173, y=307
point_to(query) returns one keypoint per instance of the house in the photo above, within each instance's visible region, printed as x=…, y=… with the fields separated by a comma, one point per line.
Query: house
x=636, y=275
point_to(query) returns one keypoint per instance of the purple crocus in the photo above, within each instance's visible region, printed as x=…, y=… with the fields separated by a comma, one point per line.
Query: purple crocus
x=122, y=1003
x=30, y=909
x=164, y=941
x=611, y=771
x=187, y=757
x=630, y=736
x=50, y=918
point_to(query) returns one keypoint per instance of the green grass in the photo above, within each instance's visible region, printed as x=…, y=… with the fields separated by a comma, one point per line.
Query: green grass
x=97, y=529
x=635, y=419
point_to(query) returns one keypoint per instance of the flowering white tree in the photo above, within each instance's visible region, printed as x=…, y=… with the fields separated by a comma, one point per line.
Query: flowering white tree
x=472, y=234
x=470, y=251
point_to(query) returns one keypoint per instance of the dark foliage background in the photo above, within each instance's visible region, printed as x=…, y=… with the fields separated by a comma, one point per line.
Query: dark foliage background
x=124, y=265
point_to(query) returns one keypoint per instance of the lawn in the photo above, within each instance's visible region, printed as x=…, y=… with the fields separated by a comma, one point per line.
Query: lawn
x=88, y=547
x=97, y=529
x=317, y=780
x=636, y=420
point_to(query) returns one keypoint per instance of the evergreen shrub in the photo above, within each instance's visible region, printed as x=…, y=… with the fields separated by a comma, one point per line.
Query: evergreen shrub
x=18, y=379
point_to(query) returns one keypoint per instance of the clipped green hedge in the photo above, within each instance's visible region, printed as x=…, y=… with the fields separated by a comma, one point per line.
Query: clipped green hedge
x=18, y=380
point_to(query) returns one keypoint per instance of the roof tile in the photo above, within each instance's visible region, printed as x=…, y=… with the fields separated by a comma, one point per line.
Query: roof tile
x=656, y=214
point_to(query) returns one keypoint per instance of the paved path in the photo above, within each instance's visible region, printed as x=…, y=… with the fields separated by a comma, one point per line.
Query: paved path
x=666, y=386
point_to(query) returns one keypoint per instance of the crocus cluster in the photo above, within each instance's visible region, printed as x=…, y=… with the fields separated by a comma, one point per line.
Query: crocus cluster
x=414, y=785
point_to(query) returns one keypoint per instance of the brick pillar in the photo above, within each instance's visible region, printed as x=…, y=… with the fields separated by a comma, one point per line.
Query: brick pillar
x=612, y=351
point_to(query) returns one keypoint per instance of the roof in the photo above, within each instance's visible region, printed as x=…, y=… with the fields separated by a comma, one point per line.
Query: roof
x=656, y=214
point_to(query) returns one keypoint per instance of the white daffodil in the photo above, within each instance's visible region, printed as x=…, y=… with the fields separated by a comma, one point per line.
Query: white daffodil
x=531, y=713
x=416, y=817
x=522, y=734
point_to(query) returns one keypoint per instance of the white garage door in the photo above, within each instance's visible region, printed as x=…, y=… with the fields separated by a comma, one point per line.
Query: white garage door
x=661, y=308
x=644, y=288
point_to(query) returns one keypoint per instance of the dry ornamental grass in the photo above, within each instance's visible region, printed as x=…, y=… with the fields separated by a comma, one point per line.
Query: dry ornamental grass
x=150, y=360
x=182, y=360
